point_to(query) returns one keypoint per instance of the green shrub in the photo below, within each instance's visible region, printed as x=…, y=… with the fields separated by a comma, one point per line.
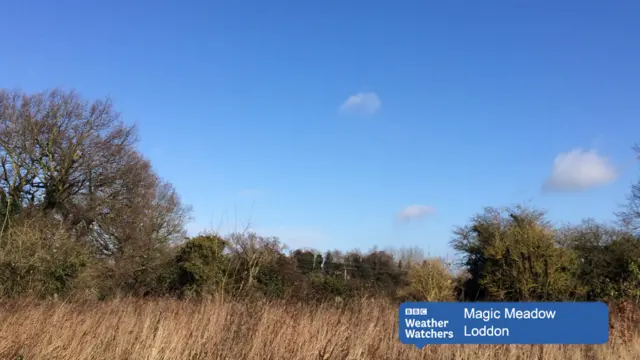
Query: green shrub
x=328, y=287
x=512, y=255
x=201, y=265
x=39, y=258
x=430, y=280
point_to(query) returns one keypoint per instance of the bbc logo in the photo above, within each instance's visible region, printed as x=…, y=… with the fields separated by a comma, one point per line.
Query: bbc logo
x=415, y=311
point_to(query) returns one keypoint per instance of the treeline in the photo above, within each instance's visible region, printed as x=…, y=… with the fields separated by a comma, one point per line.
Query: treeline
x=84, y=215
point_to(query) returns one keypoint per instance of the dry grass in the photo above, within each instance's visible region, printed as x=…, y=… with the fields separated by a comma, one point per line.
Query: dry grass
x=212, y=329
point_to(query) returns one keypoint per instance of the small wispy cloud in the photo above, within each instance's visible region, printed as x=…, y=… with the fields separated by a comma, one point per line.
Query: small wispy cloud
x=362, y=104
x=415, y=212
x=579, y=170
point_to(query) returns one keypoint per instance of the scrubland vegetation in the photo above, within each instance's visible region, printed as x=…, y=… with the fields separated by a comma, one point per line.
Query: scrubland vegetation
x=95, y=263
x=217, y=329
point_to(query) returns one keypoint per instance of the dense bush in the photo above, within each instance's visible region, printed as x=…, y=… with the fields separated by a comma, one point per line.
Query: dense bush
x=512, y=254
x=201, y=266
x=430, y=280
x=608, y=259
x=38, y=258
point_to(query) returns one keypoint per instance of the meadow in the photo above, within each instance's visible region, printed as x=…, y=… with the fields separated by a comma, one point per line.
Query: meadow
x=222, y=329
x=96, y=263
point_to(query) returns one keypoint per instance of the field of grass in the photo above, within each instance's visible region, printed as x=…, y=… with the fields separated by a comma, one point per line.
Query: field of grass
x=216, y=329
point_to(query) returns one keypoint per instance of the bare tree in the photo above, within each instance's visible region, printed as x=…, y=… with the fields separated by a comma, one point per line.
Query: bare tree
x=75, y=160
x=629, y=215
x=250, y=253
x=407, y=256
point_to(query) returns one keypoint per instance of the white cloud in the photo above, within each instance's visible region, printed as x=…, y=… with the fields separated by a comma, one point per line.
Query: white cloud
x=579, y=170
x=416, y=211
x=361, y=103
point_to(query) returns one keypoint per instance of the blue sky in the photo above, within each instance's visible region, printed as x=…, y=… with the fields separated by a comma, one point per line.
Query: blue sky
x=349, y=124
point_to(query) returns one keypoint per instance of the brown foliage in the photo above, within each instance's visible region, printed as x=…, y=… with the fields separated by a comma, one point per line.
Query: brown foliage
x=625, y=319
x=75, y=162
x=215, y=329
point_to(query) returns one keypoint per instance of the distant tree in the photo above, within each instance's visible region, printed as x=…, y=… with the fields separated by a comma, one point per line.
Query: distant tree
x=357, y=269
x=408, y=256
x=332, y=263
x=279, y=278
x=629, y=215
x=308, y=261
x=385, y=274
x=318, y=260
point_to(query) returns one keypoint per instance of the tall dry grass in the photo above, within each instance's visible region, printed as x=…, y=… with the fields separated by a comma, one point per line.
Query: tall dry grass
x=216, y=329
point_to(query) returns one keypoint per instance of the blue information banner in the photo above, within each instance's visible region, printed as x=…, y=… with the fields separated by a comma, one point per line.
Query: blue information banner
x=425, y=323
